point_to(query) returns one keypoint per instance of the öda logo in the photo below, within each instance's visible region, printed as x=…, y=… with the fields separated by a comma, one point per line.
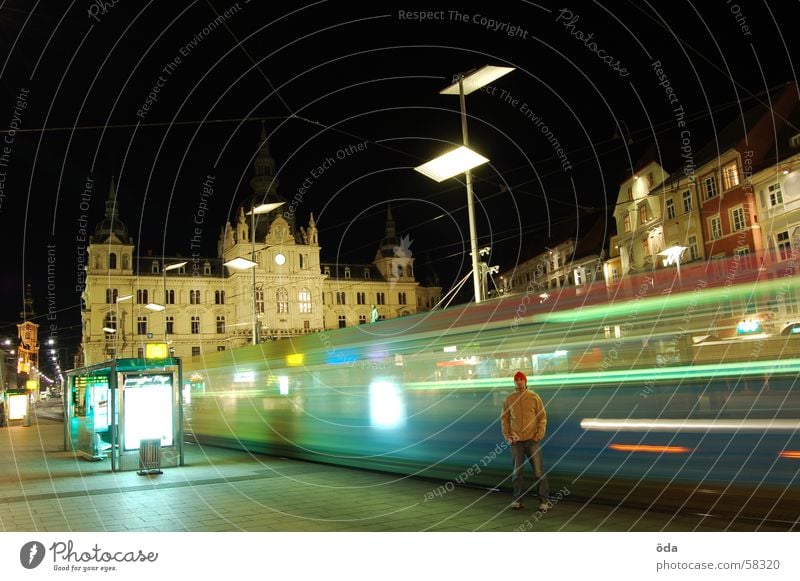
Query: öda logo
x=31, y=554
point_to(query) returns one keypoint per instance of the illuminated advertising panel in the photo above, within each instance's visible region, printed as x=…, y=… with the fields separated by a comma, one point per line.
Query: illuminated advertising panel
x=17, y=406
x=148, y=409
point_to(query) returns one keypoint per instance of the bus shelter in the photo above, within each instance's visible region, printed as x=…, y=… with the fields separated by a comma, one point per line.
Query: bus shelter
x=116, y=408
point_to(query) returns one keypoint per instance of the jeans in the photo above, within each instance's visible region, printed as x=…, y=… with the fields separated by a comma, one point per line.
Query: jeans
x=520, y=451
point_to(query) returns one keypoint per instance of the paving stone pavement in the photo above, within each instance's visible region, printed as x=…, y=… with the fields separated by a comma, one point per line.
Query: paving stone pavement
x=44, y=488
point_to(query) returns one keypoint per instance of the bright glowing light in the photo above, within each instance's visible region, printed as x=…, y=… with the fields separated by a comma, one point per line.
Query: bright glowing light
x=477, y=79
x=687, y=425
x=283, y=384
x=790, y=454
x=244, y=377
x=109, y=330
x=295, y=359
x=174, y=266
x=386, y=409
x=748, y=326
x=672, y=254
x=156, y=351
x=451, y=163
x=650, y=449
x=17, y=405
x=155, y=307
x=451, y=349
x=240, y=264
x=560, y=353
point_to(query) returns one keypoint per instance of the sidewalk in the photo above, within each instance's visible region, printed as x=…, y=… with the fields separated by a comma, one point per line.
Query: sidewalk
x=43, y=488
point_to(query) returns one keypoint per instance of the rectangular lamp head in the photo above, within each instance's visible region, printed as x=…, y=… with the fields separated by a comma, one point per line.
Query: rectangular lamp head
x=452, y=163
x=240, y=264
x=477, y=79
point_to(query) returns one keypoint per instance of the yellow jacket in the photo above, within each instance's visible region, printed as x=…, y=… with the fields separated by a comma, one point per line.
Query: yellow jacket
x=524, y=417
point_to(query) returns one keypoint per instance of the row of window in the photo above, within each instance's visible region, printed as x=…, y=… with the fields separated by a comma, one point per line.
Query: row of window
x=340, y=297
x=408, y=271
x=143, y=296
x=110, y=322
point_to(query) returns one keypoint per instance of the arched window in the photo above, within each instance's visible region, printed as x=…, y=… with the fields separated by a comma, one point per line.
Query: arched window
x=112, y=260
x=409, y=272
x=110, y=321
x=301, y=260
x=282, y=298
x=400, y=270
x=304, y=297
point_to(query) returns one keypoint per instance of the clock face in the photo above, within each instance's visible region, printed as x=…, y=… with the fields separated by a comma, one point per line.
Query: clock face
x=279, y=259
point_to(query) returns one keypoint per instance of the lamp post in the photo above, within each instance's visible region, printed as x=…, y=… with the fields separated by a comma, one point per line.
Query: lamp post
x=244, y=264
x=118, y=324
x=463, y=159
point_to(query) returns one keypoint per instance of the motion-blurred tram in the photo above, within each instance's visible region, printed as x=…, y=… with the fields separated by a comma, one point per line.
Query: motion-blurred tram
x=654, y=398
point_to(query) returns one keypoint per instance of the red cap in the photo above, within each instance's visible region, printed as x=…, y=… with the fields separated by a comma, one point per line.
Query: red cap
x=520, y=375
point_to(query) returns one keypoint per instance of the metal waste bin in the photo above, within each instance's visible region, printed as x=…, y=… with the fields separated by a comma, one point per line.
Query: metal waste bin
x=149, y=457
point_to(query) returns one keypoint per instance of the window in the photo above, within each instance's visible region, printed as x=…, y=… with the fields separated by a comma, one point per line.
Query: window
x=715, y=227
x=409, y=271
x=650, y=181
x=694, y=253
x=670, y=209
x=614, y=274
x=730, y=175
x=784, y=245
x=737, y=219
x=110, y=321
x=170, y=330
x=775, y=195
x=304, y=297
x=401, y=298
x=579, y=274
x=154, y=267
x=380, y=299
x=111, y=295
x=140, y=353
x=361, y=298
x=112, y=260
x=366, y=273
x=260, y=301
x=195, y=325
x=194, y=297
x=220, y=347
x=195, y=351
x=206, y=269
x=340, y=298
x=794, y=141
x=741, y=251
x=362, y=319
x=141, y=297
x=687, y=201
x=347, y=272
x=399, y=271
x=282, y=299
x=300, y=258
x=220, y=324
x=219, y=297
x=710, y=185
x=342, y=321
x=630, y=194
x=627, y=223
x=169, y=297
x=327, y=271
x=141, y=325
x=642, y=213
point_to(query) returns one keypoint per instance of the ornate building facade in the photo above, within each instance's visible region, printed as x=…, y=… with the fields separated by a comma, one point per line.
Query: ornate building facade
x=200, y=305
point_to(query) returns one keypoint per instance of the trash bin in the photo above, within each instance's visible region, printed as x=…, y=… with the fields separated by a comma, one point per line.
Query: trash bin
x=150, y=457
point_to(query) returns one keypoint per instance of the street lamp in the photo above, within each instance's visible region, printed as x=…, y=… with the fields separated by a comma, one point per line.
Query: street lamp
x=463, y=159
x=244, y=264
x=118, y=324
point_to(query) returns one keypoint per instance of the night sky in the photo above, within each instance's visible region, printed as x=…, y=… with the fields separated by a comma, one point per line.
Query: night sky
x=163, y=95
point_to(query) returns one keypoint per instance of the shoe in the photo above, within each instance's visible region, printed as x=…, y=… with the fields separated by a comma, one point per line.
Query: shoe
x=544, y=507
x=516, y=505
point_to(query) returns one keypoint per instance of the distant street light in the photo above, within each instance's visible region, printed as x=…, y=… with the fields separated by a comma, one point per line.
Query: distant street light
x=244, y=264
x=463, y=159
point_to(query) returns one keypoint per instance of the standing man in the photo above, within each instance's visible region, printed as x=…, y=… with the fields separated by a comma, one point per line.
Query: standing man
x=373, y=315
x=524, y=423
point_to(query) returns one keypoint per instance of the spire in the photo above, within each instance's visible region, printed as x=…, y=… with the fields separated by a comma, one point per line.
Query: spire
x=390, y=241
x=111, y=224
x=27, y=312
x=390, y=229
x=264, y=181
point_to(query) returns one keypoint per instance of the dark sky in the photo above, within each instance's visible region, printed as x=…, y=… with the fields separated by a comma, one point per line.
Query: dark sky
x=326, y=76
